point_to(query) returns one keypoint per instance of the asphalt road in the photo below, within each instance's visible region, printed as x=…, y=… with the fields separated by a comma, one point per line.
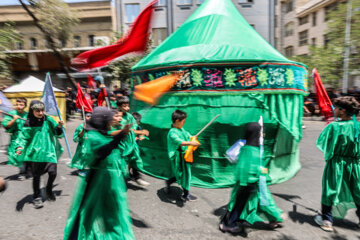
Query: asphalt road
x=158, y=216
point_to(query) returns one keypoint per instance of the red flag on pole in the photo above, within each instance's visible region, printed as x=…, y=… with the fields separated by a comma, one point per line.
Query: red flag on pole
x=322, y=98
x=81, y=101
x=102, y=96
x=135, y=41
x=91, y=82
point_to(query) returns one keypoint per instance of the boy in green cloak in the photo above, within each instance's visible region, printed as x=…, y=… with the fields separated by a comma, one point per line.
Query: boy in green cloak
x=38, y=143
x=79, y=137
x=133, y=158
x=178, y=139
x=339, y=142
x=245, y=202
x=14, y=126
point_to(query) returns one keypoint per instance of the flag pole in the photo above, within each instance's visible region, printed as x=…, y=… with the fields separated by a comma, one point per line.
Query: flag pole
x=58, y=112
x=103, y=82
x=83, y=112
x=7, y=114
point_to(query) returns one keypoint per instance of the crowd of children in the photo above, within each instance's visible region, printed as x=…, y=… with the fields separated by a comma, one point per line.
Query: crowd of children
x=108, y=155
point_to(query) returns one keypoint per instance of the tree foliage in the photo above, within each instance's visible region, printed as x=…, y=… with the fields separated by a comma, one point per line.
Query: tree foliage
x=329, y=59
x=8, y=37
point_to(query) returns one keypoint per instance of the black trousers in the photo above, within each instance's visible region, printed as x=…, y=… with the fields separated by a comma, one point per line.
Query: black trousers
x=38, y=169
x=242, y=197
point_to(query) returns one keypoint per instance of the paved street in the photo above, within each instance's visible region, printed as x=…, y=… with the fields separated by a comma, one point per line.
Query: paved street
x=157, y=216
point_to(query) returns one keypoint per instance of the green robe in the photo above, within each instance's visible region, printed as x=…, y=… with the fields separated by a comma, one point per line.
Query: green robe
x=113, y=104
x=100, y=201
x=121, y=152
x=77, y=160
x=181, y=169
x=40, y=144
x=131, y=151
x=341, y=177
x=248, y=172
x=14, y=132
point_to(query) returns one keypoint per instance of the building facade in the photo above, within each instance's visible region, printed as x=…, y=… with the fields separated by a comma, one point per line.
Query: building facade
x=95, y=27
x=170, y=14
x=300, y=24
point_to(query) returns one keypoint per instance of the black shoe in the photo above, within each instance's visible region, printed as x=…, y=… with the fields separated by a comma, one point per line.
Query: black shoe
x=38, y=203
x=167, y=187
x=50, y=196
x=189, y=198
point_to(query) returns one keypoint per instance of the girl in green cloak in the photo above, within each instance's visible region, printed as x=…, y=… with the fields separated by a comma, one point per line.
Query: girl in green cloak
x=339, y=142
x=245, y=203
x=178, y=139
x=38, y=143
x=99, y=209
x=79, y=137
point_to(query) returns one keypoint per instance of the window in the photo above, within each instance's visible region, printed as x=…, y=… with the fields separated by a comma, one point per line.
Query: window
x=184, y=2
x=19, y=46
x=329, y=9
x=246, y=3
x=77, y=41
x=303, y=38
x=314, y=19
x=289, y=51
x=132, y=11
x=33, y=43
x=313, y=41
x=304, y=20
x=289, y=6
x=158, y=35
x=91, y=41
x=161, y=3
x=62, y=43
x=289, y=29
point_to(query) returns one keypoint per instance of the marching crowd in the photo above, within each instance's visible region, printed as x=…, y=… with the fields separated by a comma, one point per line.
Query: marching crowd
x=108, y=155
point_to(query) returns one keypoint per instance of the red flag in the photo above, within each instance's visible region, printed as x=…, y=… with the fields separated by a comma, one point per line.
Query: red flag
x=135, y=41
x=322, y=98
x=91, y=82
x=102, y=96
x=81, y=101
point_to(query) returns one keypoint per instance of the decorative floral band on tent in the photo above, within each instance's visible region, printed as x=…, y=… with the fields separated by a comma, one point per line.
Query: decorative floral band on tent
x=271, y=78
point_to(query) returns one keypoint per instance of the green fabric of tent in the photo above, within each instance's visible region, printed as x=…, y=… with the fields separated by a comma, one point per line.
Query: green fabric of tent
x=229, y=69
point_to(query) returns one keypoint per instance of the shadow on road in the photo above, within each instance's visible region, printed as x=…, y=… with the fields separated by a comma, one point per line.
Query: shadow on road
x=20, y=204
x=173, y=197
x=133, y=187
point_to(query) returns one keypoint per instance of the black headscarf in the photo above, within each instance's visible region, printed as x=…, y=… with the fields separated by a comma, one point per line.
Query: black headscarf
x=100, y=120
x=252, y=134
x=33, y=121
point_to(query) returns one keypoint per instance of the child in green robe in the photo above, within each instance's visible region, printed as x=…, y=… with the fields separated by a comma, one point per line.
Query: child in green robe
x=38, y=143
x=79, y=137
x=178, y=139
x=339, y=142
x=244, y=203
x=133, y=158
x=14, y=126
x=115, y=129
x=100, y=209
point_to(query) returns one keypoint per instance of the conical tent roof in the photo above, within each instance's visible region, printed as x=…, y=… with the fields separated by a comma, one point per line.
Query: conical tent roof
x=215, y=33
x=29, y=84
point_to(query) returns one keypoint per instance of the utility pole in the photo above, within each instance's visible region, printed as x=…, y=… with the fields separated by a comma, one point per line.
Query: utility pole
x=347, y=48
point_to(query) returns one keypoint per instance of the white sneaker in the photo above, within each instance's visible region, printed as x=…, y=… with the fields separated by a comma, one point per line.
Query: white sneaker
x=324, y=224
x=142, y=182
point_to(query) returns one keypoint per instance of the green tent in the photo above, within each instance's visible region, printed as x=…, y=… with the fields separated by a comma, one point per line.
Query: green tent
x=229, y=70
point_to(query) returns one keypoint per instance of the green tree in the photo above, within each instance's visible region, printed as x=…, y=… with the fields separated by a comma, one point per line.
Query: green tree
x=329, y=59
x=8, y=37
x=56, y=20
x=121, y=69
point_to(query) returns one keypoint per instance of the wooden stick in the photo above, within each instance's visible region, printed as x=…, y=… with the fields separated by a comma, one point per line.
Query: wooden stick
x=7, y=114
x=207, y=125
x=83, y=113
